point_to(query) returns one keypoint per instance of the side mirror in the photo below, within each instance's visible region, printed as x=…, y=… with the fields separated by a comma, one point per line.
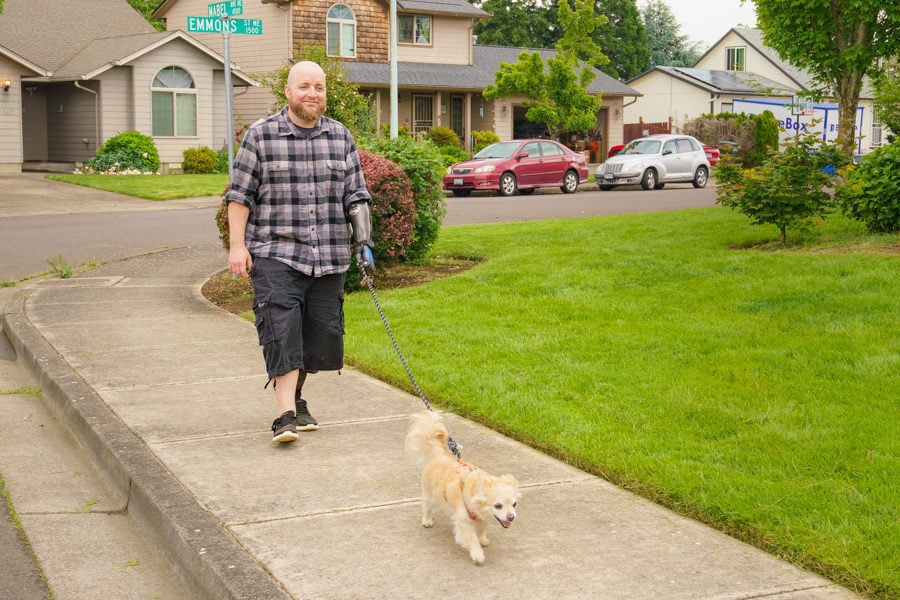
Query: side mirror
x=522, y=155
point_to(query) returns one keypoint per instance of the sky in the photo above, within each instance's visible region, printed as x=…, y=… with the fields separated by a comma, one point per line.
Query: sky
x=706, y=21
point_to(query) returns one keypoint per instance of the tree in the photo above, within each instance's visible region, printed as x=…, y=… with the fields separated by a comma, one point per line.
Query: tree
x=558, y=97
x=146, y=8
x=622, y=38
x=791, y=188
x=667, y=46
x=518, y=24
x=838, y=42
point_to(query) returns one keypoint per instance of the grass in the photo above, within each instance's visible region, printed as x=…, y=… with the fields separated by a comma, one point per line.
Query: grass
x=159, y=187
x=683, y=356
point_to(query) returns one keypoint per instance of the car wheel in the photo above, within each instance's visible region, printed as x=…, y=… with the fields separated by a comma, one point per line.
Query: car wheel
x=605, y=188
x=570, y=182
x=700, y=178
x=648, y=181
x=461, y=193
x=527, y=191
x=659, y=186
x=508, y=184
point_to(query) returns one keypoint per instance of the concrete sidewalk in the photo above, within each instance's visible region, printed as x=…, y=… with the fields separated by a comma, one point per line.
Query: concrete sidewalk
x=165, y=393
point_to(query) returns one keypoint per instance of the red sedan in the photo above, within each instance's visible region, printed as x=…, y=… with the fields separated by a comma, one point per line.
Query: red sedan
x=519, y=165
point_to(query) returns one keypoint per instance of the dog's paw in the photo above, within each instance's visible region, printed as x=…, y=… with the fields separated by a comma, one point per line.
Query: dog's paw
x=427, y=523
x=477, y=556
x=484, y=542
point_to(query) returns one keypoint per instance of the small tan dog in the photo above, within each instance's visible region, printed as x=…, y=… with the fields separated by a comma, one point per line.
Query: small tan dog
x=471, y=496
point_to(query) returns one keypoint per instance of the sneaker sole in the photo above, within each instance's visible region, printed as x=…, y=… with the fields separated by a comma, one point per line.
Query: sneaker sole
x=287, y=436
x=310, y=427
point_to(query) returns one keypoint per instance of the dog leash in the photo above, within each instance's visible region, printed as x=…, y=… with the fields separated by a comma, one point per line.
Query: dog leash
x=368, y=281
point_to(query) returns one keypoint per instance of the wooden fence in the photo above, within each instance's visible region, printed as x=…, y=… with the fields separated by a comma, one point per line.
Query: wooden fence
x=640, y=129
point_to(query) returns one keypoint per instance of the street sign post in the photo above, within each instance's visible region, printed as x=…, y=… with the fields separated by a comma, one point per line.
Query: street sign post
x=218, y=20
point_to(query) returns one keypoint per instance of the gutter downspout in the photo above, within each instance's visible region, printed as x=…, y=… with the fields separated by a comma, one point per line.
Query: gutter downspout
x=96, y=111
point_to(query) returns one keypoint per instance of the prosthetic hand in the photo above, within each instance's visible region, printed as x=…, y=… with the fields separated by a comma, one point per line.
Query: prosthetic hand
x=361, y=222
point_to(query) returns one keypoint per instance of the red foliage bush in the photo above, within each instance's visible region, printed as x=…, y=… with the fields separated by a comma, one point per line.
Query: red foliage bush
x=393, y=206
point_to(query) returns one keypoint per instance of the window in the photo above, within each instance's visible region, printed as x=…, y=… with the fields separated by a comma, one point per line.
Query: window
x=533, y=149
x=174, y=103
x=876, y=127
x=685, y=146
x=550, y=149
x=341, y=31
x=414, y=29
x=734, y=59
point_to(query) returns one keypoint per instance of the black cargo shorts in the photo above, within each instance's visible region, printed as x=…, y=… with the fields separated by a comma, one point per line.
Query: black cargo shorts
x=299, y=318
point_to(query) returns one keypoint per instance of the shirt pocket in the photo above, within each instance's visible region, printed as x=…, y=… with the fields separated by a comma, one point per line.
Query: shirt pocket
x=336, y=178
x=279, y=178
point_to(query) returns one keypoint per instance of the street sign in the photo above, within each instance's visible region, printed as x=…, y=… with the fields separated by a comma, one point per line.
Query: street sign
x=226, y=9
x=219, y=25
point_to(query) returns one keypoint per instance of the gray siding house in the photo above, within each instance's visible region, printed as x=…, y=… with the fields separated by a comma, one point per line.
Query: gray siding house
x=74, y=73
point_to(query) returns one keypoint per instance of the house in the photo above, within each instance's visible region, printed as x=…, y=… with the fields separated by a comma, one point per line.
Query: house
x=441, y=72
x=74, y=74
x=741, y=74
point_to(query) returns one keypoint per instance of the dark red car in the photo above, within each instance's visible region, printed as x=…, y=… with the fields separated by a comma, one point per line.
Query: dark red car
x=519, y=165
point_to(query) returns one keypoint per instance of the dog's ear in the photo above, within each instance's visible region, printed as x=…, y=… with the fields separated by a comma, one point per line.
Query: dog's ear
x=509, y=480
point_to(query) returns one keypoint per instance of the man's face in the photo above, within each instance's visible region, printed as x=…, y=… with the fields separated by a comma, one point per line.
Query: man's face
x=305, y=92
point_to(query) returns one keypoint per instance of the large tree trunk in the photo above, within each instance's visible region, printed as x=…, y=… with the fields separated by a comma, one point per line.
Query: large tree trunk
x=847, y=89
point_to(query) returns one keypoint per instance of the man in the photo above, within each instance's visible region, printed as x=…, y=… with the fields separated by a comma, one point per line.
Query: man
x=297, y=185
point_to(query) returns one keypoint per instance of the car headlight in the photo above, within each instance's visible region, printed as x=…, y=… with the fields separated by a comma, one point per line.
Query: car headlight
x=485, y=169
x=450, y=170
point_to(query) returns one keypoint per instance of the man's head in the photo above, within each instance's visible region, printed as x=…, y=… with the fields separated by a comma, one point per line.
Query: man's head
x=305, y=92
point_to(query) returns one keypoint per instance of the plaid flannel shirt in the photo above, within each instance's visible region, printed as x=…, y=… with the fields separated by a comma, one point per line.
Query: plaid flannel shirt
x=298, y=186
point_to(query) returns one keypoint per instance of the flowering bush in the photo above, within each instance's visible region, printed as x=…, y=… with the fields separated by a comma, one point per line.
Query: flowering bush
x=130, y=151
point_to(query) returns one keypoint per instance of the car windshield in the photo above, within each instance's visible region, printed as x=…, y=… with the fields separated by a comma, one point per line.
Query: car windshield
x=642, y=147
x=498, y=150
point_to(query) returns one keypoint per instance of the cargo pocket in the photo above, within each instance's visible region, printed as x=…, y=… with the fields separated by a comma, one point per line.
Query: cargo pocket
x=263, y=318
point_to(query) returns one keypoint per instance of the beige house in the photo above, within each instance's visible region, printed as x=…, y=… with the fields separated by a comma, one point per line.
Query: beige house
x=441, y=73
x=740, y=74
x=74, y=74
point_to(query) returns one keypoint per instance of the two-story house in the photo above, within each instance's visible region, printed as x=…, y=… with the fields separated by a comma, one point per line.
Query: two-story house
x=739, y=73
x=441, y=72
x=74, y=74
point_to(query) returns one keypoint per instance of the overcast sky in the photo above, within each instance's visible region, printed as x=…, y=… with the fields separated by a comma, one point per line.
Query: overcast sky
x=706, y=21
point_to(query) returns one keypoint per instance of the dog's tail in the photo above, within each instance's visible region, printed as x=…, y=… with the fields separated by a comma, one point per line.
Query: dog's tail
x=427, y=437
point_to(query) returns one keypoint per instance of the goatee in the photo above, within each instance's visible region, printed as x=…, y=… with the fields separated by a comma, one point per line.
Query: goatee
x=305, y=115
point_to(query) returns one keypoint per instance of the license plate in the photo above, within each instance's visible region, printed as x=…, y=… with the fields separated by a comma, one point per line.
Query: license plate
x=608, y=176
x=457, y=182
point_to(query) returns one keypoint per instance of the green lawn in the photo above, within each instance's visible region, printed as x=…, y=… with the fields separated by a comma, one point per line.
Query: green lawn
x=684, y=356
x=152, y=187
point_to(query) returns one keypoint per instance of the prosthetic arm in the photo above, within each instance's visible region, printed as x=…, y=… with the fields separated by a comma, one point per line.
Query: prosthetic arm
x=361, y=222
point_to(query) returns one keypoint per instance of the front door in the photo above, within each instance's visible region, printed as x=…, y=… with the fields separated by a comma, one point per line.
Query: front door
x=423, y=114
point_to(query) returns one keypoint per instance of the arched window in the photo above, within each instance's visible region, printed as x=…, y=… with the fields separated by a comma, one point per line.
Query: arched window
x=341, y=32
x=174, y=103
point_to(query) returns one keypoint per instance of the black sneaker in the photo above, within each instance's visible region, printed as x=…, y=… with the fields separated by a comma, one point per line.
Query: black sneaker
x=284, y=428
x=305, y=421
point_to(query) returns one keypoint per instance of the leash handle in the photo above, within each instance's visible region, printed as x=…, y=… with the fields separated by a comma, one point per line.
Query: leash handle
x=368, y=280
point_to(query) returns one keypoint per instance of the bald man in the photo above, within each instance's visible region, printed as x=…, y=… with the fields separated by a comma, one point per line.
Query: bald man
x=297, y=203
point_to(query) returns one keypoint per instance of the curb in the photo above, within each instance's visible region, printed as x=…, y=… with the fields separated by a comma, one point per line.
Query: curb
x=201, y=551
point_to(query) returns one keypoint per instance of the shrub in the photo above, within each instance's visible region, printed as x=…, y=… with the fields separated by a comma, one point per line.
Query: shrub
x=483, y=139
x=872, y=191
x=451, y=155
x=756, y=136
x=443, y=136
x=128, y=151
x=393, y=212
x=423, y=165
x=789, y=189
x=200, y=160
x=222, y=160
